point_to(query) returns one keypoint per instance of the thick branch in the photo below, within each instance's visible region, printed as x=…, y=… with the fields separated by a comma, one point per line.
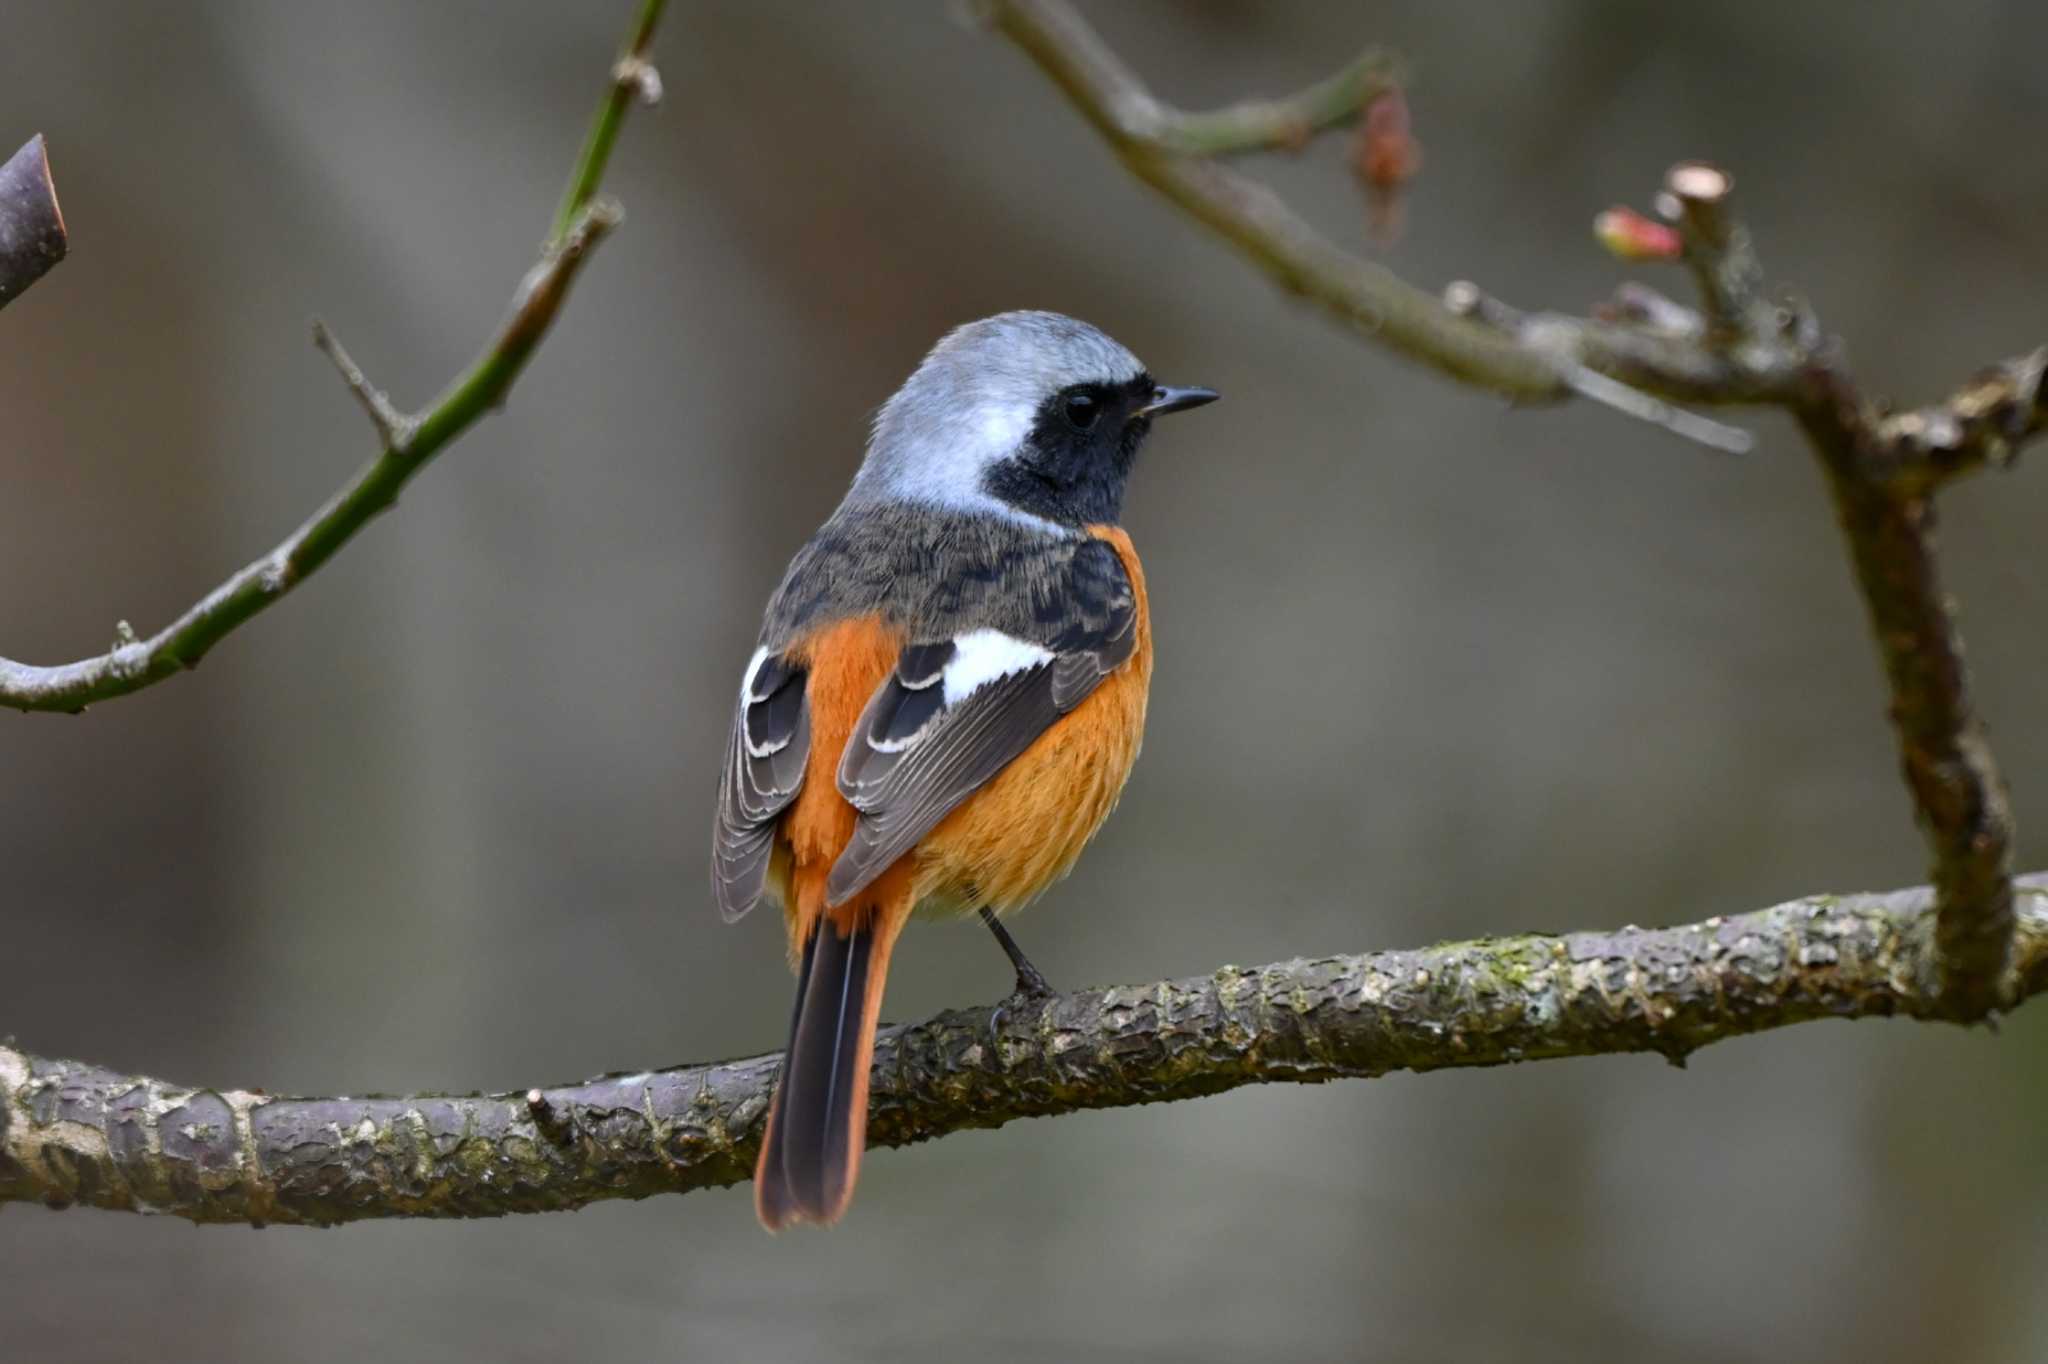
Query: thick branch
x=408, y=441
x=31, y=227
x=1745, y=347
x=1883, y=473
x=74, y=1133
x=1954, y=779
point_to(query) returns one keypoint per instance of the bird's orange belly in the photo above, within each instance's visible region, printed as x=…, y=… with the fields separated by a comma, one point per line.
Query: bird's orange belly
x=1024, y=830
x=1007, y=842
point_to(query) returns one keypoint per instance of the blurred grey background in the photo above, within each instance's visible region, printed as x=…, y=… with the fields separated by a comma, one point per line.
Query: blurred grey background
x=1429, y=668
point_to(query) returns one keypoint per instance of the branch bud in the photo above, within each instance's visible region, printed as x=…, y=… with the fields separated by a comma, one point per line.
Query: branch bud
x=1628, y=235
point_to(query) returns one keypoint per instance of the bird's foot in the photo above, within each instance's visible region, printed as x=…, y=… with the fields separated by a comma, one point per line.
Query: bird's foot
x=1032, y=986
x=1032, y=989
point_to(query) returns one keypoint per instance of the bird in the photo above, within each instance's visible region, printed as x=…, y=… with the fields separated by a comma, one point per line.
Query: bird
x=945, y=701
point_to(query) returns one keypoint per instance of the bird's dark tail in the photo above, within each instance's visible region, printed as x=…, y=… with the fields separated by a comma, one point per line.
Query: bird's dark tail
x=817, y=1125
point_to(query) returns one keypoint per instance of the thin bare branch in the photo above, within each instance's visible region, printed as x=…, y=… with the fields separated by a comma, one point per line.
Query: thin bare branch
x=1282, y=125
x=1151, y=139
x=394, y=428
x=72, y=1133
x=1648, y=407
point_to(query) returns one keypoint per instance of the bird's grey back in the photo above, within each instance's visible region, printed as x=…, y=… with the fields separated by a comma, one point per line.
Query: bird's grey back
x=929, y=571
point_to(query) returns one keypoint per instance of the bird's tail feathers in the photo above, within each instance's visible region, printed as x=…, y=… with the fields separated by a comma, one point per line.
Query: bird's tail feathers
x=817, y=1125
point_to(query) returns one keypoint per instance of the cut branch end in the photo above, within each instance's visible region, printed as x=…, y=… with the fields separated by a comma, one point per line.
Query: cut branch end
x=1698, y=183
x=32, y=234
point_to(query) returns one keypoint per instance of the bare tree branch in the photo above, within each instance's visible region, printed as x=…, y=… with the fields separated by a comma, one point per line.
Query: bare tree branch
x=1975, y=940
x=75, y=1133
x=1648, y=407
x=1746, y=347
x=1946, y=757
x=408, y=441
x=32, y=238
x=1148, y=136
x=1282, y=125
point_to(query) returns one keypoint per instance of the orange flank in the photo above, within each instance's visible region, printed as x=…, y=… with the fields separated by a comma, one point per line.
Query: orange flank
x=848, y=662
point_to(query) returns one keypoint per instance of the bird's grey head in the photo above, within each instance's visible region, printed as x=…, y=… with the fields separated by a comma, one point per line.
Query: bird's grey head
x=1029, y=416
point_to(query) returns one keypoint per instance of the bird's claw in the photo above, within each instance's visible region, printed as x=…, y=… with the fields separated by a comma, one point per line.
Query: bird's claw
x=1031, y=985
x=1032, y=989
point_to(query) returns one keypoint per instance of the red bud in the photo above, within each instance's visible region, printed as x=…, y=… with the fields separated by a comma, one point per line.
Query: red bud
x=1384, y=157
x=1631, y=236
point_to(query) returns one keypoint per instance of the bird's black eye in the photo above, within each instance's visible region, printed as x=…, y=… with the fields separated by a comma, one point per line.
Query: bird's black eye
x=1082, y=410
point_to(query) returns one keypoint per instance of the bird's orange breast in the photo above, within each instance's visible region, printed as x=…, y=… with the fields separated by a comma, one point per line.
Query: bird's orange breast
x=1024, y=830
x=1007, y=842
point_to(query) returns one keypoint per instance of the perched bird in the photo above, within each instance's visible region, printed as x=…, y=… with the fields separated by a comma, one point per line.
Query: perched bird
x=947, y=698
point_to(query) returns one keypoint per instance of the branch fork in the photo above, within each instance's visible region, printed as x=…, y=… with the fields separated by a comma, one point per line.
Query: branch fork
x=1644, y=355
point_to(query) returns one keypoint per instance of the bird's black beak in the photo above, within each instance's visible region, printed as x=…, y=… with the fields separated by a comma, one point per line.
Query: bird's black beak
x=1166, y=399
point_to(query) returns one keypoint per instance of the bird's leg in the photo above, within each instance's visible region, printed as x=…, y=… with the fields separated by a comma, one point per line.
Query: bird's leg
x=1031, y=983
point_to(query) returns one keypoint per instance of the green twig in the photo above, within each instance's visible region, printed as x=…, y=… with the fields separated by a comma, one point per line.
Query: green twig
x=1285, y=124
x=632, y=78
x=409, y=441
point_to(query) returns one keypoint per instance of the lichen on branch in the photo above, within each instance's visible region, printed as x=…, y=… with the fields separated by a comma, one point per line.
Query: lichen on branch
x=72, y=1133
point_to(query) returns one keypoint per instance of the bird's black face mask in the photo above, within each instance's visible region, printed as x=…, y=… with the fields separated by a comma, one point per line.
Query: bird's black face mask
x=1076, y=462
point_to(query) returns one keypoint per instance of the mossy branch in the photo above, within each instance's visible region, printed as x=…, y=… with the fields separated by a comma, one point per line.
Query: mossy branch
x=72, y=1133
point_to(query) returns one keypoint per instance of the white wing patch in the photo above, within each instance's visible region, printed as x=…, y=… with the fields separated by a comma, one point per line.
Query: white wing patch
x=982, y=656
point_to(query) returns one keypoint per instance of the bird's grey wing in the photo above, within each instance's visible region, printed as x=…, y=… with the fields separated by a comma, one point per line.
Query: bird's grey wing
x=764, y=769
x=956, y=711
